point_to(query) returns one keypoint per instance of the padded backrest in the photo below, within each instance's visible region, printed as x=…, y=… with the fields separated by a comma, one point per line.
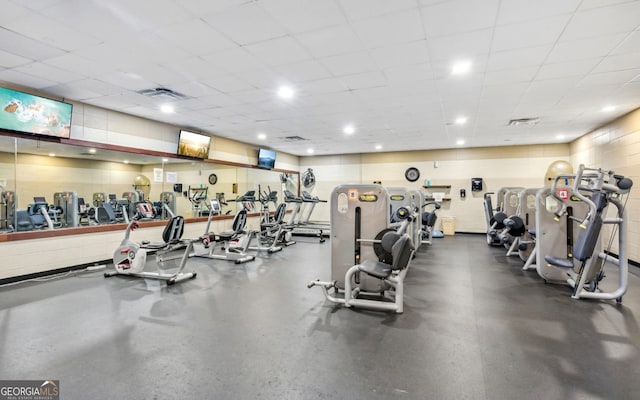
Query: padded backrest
x=106, y=213
x=388, y=240
x=173, y=230
x=239, y=221
x=488, y=205
x=24, y=221
x=429, y=218
x=588, y=238
x=280, y=213
x=402, y=251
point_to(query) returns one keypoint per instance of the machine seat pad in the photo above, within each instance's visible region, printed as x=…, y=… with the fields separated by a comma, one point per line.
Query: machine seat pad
x=153, y=245
x=559, y=262
x=377, y=269
x=228, y=235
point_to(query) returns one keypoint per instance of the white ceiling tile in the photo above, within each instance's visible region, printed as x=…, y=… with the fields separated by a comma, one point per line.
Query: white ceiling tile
x=278, y=51
x=619, y=62
x=588, y=4
x=529, y=34
x=8, y=60
x=329, y=85
x=569, y=68
x=304, y=15
x=410, y=53
x=146, y=14
x=228, y=83
x=200, y=8
x=41, y=4
x=404, y=26
x=507, y=76
x=347, y=64
x=26, y=80
x=515, y=11
x=504, y=93
x=365, y=80
x=526, y=57
x=360, y=9
x=12, y=11
x=330, y=41
x=631, y=44
x=38, y=27
x=585, y=48
x=52, y=73
x=310, y=70
x=23, y=46
x=457, y=16
x=603, y=21
x=234, y=60
x=77, y=64
x=195, y=36
x=615, y=78
x=246, y=23
x=408, y=73
x=125, y=80
x=460, y=46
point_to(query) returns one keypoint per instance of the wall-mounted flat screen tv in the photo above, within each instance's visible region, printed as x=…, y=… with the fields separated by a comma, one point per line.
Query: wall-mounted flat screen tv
x=266, y=158
x=26, y=113
x=193, y=145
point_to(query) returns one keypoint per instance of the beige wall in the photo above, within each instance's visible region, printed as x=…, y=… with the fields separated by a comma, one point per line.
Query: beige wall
x=616, y=146
x=500, y=166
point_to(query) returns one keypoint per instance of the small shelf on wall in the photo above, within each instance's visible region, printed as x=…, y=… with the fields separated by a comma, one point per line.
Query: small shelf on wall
x=437, y=187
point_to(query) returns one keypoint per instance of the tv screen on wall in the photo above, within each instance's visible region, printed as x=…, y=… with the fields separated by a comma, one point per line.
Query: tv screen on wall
x=26, y=113
x=266, y=158
x=193, y=145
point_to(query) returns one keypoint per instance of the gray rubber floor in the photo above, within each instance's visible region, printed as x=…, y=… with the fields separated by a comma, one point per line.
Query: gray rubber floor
x=475, y=327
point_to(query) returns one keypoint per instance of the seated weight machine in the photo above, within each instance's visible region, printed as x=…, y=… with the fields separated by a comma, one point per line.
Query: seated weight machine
x=584, y=210
x=367, y=269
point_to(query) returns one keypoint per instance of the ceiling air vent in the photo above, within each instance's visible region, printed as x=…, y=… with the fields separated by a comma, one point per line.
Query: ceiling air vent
x=162, y=93
x=294, y=138
x=524, y=121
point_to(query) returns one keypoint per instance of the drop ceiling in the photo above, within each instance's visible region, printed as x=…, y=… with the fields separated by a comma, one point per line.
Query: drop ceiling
x=382, y=66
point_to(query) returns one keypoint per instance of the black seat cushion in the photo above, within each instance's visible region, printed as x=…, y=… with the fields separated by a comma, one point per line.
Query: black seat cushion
x=559, y=262
x=375, y=268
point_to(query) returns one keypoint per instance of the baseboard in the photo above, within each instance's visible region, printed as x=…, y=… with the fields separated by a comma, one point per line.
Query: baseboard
x=42, y=274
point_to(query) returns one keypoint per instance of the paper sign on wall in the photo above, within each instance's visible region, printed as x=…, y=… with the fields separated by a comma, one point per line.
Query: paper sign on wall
x=172, y=177
x=157, y=174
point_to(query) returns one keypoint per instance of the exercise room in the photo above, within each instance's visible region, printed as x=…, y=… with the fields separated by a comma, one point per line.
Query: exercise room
x=320, y=199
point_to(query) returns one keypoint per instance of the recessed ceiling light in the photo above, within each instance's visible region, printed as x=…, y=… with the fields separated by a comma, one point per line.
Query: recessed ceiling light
x=461, y=67
x=378, y=147
x=310, y=151
x=559, y=136
x=461, y=120
x=608, y=108
x=285, y=92
x=92, y=151
x=52, y=154
x=349, y=129
x=262, y=136
x=460, y=142
x=126, y=161
x=167, y=108
x=165, y=160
